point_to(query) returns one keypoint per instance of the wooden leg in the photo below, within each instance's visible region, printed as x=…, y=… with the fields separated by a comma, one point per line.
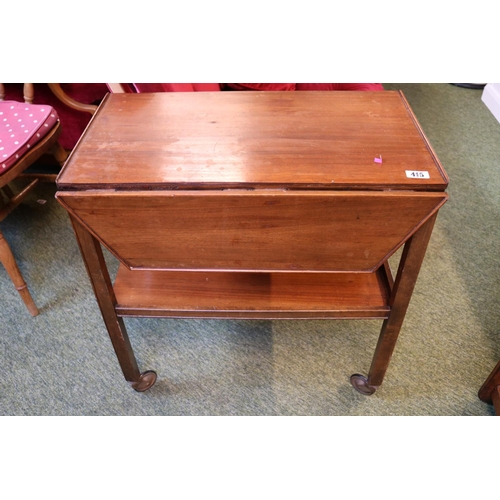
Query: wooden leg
x=103, y=289
x=495, y=398
x=490, y=390
x=59, y=153
x=10, y=264
x=409, y=267
x=8, y=191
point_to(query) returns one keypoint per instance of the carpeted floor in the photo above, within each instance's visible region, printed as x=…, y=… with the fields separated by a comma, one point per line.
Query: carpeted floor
x=62, y=362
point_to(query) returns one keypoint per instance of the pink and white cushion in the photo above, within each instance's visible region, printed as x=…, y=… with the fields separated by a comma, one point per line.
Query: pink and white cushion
x=22, y=126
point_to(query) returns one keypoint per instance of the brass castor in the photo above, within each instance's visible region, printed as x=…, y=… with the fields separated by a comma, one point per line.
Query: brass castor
x=146, y=380
x=360, y=383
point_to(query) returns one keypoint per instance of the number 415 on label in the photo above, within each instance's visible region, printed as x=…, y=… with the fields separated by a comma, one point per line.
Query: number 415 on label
x=417, y=174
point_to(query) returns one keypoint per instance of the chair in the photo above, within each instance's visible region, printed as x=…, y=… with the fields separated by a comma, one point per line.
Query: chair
x=27, y=131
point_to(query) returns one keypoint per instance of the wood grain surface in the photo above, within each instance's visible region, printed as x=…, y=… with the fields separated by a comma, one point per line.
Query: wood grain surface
x=206, y=140
x=253, y=230
x=251, y=295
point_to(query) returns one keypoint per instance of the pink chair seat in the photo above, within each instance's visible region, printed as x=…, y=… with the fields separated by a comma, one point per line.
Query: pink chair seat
x=22, y=126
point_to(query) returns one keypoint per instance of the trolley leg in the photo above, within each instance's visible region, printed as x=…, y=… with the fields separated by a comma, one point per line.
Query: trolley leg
x=103, y=289
x=409, y=267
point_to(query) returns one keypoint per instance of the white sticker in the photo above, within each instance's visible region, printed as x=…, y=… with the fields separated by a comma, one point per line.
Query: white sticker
x=417, y=174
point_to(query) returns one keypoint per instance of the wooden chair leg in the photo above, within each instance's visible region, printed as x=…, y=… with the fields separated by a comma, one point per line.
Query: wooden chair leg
x=8, y=191
x=8, y=261
x=59, y=153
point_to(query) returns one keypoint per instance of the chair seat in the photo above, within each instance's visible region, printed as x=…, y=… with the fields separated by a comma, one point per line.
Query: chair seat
x=22, y=126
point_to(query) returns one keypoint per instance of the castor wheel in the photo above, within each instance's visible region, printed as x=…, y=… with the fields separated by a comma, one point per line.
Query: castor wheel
x=360, y=383
x=146, y=380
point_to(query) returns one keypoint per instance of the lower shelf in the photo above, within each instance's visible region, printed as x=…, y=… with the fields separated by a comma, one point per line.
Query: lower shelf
x=193, y=294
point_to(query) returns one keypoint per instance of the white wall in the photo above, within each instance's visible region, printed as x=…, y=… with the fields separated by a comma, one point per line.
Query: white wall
x=491, y=97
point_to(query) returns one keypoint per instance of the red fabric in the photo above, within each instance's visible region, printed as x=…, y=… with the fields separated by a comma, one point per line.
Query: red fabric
x=206, y=87
x=210, y=87
x=128, y=88
x=149, y=87
x=176, y=87
x=340, y=86
x=21, y=127
x=260, y=86
x=304, y=86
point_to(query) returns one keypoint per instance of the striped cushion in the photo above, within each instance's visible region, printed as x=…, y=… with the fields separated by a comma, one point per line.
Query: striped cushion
x=21, y=127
